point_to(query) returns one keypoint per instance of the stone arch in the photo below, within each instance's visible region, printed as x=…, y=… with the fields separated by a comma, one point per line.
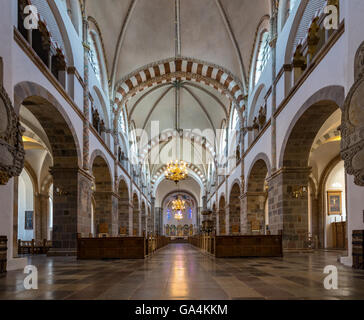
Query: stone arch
x=222, y=215
x=98, y=153
x=52, y=109
x=123, y=207
x=136, y=215
x=306, y=123
x=288, y=188
x=257, y=194
x=318, y=220
x=102, y=194
x=234, y=209
x=263, y=27
x=185, y=69
x=263, y=157
x=66, y=153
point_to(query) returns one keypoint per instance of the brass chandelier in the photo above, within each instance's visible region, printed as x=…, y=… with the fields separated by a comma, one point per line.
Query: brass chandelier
x=178, y=205
x=178, y=216
x=176, y=171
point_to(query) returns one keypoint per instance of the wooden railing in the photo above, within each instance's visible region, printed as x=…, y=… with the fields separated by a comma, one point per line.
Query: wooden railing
x=205, y=243
x=154, y=243
x=34, y=246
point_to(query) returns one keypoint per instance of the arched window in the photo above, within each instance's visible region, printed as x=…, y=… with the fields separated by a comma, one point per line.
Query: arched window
x=285, y=9
x=262, y=56
x=121, y=123
x=74, y=12
x=94, y=57
x=235, y=121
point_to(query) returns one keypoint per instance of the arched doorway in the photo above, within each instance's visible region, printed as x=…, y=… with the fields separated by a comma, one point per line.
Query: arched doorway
x=234, y=210
x=123, y=208
x=136, y=212
x=257, y=198
x=222, y=216
x=289, y=204
x=334, y=205
x=102, y=196
x=25, y=207
x=49, y=122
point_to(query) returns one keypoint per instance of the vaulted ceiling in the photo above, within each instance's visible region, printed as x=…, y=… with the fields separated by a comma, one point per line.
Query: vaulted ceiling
x=137, y=33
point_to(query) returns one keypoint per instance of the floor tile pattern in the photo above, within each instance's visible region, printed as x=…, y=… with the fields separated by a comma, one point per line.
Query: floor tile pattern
x=180, y=271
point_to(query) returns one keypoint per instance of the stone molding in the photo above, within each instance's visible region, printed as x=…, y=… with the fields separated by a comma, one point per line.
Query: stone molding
x=352, y=126
x=12, y=152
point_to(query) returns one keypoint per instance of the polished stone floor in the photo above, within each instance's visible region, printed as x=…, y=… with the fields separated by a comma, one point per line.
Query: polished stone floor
x=180, y=271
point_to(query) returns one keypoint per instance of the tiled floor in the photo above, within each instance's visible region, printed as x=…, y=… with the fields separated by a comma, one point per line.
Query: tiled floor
x=180, y=271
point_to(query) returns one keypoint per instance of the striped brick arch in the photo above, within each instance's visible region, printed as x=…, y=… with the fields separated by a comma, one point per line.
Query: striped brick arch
x=180, y=69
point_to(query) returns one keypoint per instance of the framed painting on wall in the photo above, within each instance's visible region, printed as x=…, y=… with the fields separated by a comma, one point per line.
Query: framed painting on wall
x=28, y=220
x=334, y=203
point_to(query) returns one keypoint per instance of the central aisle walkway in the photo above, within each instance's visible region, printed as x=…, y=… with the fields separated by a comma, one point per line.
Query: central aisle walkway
x=180, y=271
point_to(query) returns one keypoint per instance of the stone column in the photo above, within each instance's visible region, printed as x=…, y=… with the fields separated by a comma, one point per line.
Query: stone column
x=287, y=213
x=86, y=102
x=131, y=219
x=123, y=212
x=227, y=220
x=114, y=215
x=244, y=229
x=152, y=212
x=255, y=208
x=273, y=42
x=70, y=209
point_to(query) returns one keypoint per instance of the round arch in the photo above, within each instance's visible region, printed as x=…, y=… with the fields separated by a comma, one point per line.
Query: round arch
x=310, y=117
x=35, y=93
x=185, y=69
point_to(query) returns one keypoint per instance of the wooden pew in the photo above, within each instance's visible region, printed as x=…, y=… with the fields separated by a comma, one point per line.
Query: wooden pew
x=34, y=246
x=3, y=254
x=239, y=246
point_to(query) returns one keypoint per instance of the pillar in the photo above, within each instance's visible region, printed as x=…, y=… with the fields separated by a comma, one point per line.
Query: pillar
x=289, y=214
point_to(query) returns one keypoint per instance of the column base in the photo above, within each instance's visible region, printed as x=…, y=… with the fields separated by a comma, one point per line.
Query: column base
x=16, y=264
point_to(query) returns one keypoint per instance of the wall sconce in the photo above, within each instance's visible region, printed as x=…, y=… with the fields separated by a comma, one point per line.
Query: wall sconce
x=93, y=187
x=60, y=192
x=299, y=192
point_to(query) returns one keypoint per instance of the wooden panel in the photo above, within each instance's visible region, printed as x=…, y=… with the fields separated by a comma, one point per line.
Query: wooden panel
x=111, y=248
x=358, y=249
x=248, y=246
x=3, y=254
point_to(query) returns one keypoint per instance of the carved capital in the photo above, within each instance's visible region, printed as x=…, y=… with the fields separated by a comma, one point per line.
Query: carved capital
x=352, y=126
x=11, y=144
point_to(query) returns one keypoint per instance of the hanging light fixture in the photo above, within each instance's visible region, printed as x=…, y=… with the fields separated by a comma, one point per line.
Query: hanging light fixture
x=178, y=204
x=176, y=171
x=178, y=216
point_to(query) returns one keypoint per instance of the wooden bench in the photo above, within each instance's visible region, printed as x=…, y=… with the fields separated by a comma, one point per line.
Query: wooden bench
x=118, y=247
x=239, y=246
x=34, y=246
